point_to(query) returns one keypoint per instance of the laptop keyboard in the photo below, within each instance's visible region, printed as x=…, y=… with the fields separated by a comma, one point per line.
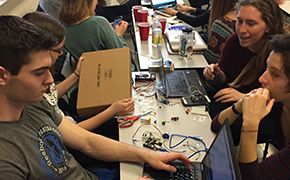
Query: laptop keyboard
x=183, y=173
x=179, y=82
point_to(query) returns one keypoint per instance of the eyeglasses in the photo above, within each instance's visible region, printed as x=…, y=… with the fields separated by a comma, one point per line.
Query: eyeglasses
x=59, y=51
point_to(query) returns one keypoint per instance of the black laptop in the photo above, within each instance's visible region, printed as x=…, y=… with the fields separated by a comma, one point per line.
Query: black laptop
x=182, y=83
x=219, y=163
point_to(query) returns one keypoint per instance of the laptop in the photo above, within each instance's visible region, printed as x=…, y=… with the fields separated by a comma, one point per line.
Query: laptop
x=219, y=163
x=180, y=83
x=159, y=5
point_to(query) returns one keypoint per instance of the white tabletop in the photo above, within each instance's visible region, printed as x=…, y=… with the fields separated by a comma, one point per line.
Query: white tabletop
x=188, y=124
x=146, y=52
x=286, y=7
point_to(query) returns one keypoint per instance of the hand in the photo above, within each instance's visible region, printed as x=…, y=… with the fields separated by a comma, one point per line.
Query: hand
x=228, y=95
x=77, y=70
x=144, y=178
x=214, y=73
x=170, y=11
x=159, y=160
x=256, y=105
x=121, y=28
x=123, y=107
x=184, y=8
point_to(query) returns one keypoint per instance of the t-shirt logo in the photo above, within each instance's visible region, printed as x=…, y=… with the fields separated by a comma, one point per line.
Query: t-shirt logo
x=52, y=149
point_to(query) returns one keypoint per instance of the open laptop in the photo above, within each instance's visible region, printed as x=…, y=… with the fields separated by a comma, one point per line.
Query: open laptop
x=181, y=83
x=159, y=5
x=219, y=163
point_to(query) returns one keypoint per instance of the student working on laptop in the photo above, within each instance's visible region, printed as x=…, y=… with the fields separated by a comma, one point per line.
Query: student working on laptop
x=197, y=18
x=256, y=116
x=32, y=134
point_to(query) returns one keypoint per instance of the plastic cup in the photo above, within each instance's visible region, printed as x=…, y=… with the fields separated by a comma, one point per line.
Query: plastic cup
x=135, y=11
x=144, y=30
x=143, y=15
x=163, y=24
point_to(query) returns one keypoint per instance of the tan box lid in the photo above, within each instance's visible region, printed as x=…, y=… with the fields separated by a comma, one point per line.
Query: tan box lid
x=105, y=77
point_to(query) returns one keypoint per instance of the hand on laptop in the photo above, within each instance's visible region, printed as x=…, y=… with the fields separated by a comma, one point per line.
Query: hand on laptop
x=184, y=8
x=121, y=28
x=161, y=160
x=170, y=11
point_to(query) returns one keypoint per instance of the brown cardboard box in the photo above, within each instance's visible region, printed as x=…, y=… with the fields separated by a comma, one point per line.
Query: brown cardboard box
x=105, y=77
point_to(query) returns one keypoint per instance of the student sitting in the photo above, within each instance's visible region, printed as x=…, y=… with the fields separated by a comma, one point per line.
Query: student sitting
x=86, y=32
x=256, y=117
x=32, y=134
x=197, y=18
x=243, y=58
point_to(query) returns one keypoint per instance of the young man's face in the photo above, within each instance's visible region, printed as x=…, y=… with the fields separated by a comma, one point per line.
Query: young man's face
x=32, y=80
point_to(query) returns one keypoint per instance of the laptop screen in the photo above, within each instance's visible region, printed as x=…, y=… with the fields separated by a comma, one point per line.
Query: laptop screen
x=219, y=162
x=161, y=4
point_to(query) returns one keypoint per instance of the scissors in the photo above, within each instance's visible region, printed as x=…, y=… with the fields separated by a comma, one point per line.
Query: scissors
x=125, y=122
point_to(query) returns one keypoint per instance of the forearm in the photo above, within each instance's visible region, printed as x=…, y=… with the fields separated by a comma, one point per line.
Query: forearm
x=229, y=114
x=248, y=142
x=97, y=120
x=66, y=84
x=110, y=150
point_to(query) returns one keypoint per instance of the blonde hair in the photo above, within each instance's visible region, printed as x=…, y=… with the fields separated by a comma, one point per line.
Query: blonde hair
x=73, y=11
x=271, y=15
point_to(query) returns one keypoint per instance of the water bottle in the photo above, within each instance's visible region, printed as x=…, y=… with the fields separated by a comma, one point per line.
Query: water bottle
x=186, y=43
x=156, y=32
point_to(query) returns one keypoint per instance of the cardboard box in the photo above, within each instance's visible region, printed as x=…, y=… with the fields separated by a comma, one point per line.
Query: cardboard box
x=105, y=77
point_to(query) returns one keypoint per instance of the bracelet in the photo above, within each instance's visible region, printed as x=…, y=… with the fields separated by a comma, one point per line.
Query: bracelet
x=252, y=130
x=76, y=74
x=234, y=109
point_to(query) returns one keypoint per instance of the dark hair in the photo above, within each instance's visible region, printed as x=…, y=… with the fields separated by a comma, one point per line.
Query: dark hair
x=271, y=15
x=46, y=23
x=19, y=39
x=281, y=44
x=72, y=11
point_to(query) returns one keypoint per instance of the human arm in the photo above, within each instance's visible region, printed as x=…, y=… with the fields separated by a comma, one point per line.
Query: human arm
x=122, y=107
x=106, y=149
x=228, y=95
x=214, y=73
x=109, y=38
x=71, y=80
x=255, y=107
x=184, y=8
x=194, y=21
x=121, y=28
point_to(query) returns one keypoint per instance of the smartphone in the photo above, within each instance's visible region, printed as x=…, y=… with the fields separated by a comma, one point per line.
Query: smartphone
x=117, y=20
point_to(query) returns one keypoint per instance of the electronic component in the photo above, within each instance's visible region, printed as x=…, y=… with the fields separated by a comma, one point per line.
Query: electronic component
x=145, y=77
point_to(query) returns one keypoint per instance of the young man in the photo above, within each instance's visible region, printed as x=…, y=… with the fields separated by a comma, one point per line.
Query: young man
x=32, y=134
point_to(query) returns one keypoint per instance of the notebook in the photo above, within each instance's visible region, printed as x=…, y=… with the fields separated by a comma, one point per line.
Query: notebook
x=159, y=5
x=219, y=163
x=173, y=39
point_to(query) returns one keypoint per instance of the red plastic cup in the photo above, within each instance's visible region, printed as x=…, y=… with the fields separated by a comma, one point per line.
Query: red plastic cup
x=135, y=11
x=163, y=24
x=144, y=30
x=143, y=15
